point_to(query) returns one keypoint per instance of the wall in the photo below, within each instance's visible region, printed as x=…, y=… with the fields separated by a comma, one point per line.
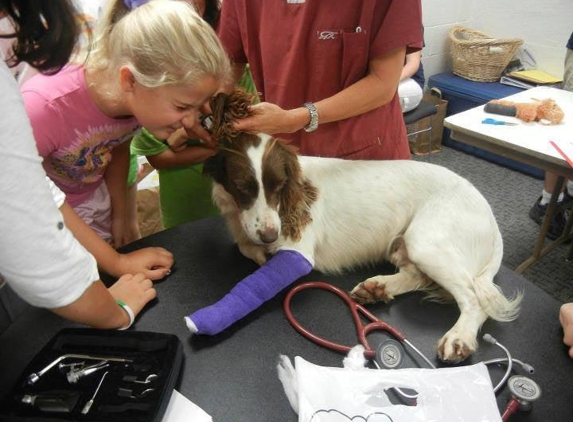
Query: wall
x=544, y=25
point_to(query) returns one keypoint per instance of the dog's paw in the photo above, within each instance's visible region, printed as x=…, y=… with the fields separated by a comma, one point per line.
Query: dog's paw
x=370, y=291
x=452, y=348
x=254, y=252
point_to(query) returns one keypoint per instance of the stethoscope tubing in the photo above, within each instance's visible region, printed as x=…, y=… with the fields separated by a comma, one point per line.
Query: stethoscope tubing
x=355, y=309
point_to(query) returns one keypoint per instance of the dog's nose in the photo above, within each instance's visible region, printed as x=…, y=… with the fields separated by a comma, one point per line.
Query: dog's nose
x=268, y=235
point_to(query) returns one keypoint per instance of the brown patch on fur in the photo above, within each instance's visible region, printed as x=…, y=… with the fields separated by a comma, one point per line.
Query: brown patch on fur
x=293, y=194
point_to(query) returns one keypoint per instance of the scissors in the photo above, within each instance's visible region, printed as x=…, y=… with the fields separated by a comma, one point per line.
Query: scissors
x=490, y=121
x=356, y=310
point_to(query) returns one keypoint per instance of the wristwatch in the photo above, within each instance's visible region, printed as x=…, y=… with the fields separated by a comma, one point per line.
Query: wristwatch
x=313, y=124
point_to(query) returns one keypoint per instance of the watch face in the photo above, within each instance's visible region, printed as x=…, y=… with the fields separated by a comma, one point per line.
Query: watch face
x=524, y=388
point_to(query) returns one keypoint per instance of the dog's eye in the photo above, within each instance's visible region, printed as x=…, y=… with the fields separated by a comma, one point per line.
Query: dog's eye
x=247, y=187
x=278, y=185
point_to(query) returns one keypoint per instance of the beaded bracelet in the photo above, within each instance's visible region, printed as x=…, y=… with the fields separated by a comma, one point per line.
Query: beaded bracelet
x=129, y=312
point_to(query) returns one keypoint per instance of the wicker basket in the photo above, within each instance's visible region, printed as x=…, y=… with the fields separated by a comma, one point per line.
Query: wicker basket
x=478, y=57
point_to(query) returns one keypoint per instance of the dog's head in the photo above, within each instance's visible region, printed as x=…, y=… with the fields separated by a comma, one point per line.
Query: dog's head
x=257, y=178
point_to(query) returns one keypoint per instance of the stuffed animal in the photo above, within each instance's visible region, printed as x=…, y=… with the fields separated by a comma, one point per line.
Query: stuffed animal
x=545, y=111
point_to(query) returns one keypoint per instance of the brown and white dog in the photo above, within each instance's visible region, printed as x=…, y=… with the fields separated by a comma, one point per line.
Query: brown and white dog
x=431, y=223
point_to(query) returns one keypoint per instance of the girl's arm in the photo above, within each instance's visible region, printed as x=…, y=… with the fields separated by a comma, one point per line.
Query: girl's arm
x=116, y=181
x=154, y=263
x=376, y=89
x=187, y=156
x=97, y=306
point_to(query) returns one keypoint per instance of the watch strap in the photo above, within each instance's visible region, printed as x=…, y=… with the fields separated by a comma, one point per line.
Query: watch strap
x=313, y=124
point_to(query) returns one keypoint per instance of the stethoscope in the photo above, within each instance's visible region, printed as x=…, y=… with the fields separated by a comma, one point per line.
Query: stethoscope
x=524, y=391
x=389, y=354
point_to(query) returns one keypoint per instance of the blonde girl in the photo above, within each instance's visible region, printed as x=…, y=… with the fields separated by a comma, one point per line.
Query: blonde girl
x=152, y=66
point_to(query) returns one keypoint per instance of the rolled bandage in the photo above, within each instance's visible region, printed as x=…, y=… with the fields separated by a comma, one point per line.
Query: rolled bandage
x=280, y=271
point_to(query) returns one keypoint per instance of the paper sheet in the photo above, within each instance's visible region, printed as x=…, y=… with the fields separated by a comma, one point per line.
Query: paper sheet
x=536, y=76
x=181, y=409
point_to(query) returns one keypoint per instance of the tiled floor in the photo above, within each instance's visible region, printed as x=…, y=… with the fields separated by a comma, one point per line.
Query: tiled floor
x=511, y=195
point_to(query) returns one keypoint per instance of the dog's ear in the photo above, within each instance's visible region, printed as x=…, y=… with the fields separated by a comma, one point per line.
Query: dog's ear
x=218, y=105
x=296, y=196
x=226, y=110
x=214, y=167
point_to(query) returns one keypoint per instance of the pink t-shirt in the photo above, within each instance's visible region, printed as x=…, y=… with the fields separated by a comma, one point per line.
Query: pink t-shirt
x=311, y=50
x=74, y=137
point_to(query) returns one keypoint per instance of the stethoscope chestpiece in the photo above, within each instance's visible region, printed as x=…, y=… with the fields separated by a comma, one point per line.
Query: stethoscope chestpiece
x=524, y=389
x=390, y=354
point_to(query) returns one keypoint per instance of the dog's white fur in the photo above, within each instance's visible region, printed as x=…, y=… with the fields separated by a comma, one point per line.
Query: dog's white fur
x=431, y=223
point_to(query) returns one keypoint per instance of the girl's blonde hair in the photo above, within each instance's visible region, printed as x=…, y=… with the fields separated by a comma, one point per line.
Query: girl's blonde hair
x=163, y=42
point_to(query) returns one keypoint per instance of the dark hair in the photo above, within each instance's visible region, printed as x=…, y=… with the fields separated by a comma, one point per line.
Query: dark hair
x=45, y=30
x=212, y=10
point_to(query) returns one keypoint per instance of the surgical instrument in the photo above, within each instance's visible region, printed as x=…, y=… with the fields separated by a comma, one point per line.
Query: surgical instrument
x=76, y=374
x=90, y=402
x=35, y=376
x=128, y=392
x=52, y=401
x=132, y=378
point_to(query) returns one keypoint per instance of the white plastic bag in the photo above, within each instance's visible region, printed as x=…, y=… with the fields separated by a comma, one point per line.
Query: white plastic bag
x=327, y=394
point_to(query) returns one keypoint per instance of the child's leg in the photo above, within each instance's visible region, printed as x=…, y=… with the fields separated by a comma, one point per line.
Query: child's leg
x=131, y=219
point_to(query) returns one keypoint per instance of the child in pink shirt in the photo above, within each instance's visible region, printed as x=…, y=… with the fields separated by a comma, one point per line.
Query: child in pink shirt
x=144, y=70
x=78, y=142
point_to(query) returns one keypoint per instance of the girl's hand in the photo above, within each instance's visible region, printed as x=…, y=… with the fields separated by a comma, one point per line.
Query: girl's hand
x=199, y=132
x=178, y=140
x=133, y=290
x=154, y=263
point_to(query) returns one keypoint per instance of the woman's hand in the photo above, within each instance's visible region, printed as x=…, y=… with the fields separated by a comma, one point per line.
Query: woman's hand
x=133, y=290
x=566, y=320
x=270, y=118
x=154, y=263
